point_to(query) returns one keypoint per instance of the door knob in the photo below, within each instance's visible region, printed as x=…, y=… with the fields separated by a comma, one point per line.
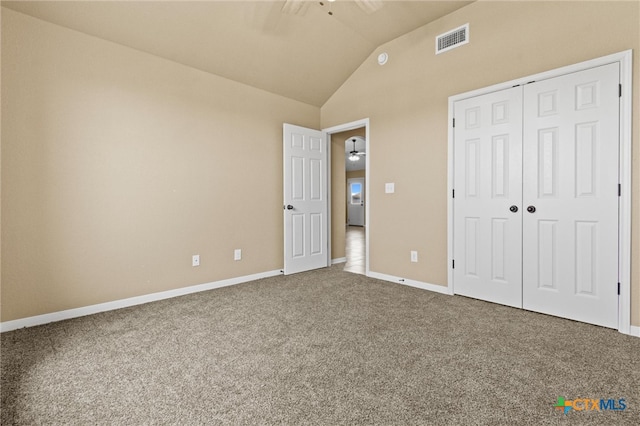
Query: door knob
x=513, y=208
x=289, y=207
x=531, y=209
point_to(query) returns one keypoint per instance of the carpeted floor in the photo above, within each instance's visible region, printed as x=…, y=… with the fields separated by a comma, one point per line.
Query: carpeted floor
x=324, y=347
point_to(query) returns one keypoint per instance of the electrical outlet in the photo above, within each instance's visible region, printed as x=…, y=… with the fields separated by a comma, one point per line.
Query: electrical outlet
x=414, y=256
x=195, y=260
x=237, y=254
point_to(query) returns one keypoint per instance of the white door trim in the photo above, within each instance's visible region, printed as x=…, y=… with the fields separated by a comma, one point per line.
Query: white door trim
x=625, y=59
x=343, y=128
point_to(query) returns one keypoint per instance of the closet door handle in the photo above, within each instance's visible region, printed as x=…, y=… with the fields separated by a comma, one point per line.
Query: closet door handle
x=531, y=209
x=513, y=208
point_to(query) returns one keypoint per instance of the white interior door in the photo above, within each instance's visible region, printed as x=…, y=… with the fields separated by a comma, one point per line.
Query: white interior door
x=355, y=201
x=571, y=180
x=488, y=197
x=305, y=199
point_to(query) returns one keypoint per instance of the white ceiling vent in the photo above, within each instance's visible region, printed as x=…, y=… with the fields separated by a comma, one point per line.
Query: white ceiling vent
x=452, y=39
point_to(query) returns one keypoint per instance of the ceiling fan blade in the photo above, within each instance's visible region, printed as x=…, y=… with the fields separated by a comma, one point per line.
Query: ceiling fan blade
x=370, y=6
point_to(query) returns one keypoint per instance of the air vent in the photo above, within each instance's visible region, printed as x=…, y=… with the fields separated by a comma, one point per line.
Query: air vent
x=452, y=39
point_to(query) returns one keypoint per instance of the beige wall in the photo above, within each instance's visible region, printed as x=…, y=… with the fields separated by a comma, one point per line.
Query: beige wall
x=356, y=174
x=338, y=191
x=117, y=166
x=407, y=99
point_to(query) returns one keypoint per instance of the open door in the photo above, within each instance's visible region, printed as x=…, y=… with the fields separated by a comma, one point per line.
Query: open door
x=305, y=199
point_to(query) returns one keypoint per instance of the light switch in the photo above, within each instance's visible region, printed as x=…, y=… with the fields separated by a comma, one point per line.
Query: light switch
x=389, y=188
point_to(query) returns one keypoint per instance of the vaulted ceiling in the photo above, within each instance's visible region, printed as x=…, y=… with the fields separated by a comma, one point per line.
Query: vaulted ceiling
x=293, y=48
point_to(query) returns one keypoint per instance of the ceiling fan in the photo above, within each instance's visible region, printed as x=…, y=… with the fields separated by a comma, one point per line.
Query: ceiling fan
x=355, y=155
x=298, y=7
x=266, y=16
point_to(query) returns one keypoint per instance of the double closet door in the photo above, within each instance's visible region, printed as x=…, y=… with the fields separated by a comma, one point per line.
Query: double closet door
x=536, y=196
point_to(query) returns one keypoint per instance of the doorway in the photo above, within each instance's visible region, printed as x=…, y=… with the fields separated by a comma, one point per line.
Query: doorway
x=350, y=244
x=355, y=201
x=317, y=239
x=355, y=171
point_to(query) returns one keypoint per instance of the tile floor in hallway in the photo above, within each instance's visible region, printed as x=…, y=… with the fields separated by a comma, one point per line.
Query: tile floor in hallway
x=355, y=250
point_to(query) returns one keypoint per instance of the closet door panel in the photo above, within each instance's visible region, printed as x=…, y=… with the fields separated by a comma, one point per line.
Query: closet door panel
x=570, y=178
x=488, y=182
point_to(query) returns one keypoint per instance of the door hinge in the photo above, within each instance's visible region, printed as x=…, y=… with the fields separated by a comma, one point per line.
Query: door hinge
x=619, y=190
x=618, y=289
x=619, y=90
x=454, y=122
x=453, y=193
x=453, y=264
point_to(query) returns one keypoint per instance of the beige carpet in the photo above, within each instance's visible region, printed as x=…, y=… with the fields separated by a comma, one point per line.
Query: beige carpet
x=325, y=347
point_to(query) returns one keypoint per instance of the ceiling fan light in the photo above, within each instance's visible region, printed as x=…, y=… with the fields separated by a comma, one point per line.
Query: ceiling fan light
x=354, y=157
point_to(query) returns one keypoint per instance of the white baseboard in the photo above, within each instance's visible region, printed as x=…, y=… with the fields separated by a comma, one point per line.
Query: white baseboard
x=338, y=260
x=404, y=281
x=633, y=330
x=132, y=301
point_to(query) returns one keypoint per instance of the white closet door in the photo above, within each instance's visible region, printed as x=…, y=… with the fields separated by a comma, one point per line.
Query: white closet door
x=571, y=156
x=488, y=182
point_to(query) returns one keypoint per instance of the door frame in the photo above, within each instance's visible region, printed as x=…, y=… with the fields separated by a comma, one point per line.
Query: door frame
x=352, y=125
x=625, y=59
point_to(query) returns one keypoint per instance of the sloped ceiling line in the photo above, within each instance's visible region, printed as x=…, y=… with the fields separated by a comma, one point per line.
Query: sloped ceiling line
x=303, y=54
